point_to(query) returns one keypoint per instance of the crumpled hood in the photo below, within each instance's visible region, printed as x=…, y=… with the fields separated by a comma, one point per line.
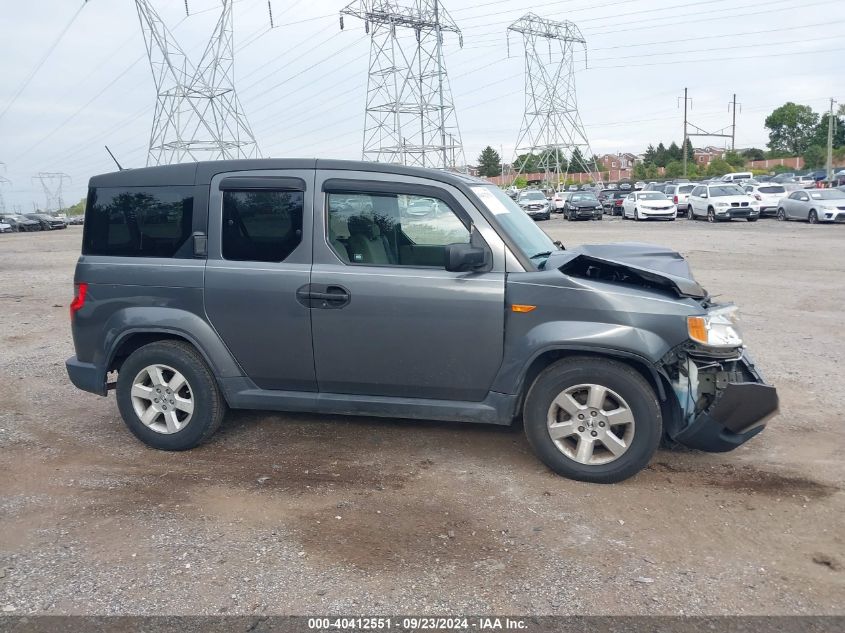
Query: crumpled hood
x=630, y=263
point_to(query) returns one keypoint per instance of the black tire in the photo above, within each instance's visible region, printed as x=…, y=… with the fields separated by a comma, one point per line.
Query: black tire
x=781, y=216
x=209, y=405
x=616, y=376
x=637, y=217
x=813, y=217
x=690, y=213
x=711, y=215
x=753, y=219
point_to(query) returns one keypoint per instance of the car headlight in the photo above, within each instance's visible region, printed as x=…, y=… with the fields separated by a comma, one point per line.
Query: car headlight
x=721, y=204
x=828, y=208
x=718, y=328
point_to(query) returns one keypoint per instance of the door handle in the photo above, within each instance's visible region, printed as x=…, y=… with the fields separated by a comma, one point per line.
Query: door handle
x=323, y=297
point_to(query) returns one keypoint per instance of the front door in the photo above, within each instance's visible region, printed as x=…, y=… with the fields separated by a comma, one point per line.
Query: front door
x=401, y=325
x=259, y=255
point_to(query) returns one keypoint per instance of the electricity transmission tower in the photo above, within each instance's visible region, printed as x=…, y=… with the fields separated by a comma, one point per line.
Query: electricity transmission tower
x=52, y=184
x=410, y=116
x=197, y=115
x=551, y=126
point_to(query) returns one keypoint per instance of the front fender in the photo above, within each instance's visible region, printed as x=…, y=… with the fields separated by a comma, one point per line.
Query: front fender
x=609, y=339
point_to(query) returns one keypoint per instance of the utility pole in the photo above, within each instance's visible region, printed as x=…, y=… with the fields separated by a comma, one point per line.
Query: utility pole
x=686, y=138
x=732, y=106
x=830, y=123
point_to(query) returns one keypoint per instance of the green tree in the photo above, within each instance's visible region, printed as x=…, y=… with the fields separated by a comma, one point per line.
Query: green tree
x=815, y=156
x=527, y=163
x=719, y=167
x=674, y=169
x=734, y=159
x=520, y=183
x=820, y=133
x=660, y=157
x=639, y=171
x=489, y=162
x=578, y=162
x=753, y=153
x=674, y=152
x=791, y=127
x=650, y=155
x=77, y=209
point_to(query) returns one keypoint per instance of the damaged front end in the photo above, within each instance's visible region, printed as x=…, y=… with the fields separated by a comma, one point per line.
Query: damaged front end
x=723, y=399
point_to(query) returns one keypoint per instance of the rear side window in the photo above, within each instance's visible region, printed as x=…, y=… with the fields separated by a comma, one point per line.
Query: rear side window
x=138, y=221
x=261, y=226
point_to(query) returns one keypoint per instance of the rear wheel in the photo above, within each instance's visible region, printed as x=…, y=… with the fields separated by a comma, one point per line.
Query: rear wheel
x=168, y=396
x=592, y=419
x=813, y=218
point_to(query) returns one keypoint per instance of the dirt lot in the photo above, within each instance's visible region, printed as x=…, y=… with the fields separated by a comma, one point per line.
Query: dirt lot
x=292, y=514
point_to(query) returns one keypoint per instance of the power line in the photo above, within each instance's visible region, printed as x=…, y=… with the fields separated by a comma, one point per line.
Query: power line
x=42, y=61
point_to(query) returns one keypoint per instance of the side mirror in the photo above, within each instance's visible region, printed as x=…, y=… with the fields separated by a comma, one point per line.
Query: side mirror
x=703, y=195
x=463, y=258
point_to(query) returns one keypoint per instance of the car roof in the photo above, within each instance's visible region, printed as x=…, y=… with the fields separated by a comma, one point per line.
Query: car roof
x=201, y=173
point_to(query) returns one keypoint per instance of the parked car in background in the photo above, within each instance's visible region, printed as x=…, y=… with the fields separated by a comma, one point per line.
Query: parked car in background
x=722, y=201
x=639, y=185
x=47, y=222
x=679, y=195
x=818, y=205
x=768, y=195
x=625, y=186
x=534, y=203
x=616, y=202
x=558, y=200
x=582, y=206
x=20, y=223
x=646, y=205
x=605, y=196
x=738, y=176
x=807, y=181
x=76, y=220
x=5, y=228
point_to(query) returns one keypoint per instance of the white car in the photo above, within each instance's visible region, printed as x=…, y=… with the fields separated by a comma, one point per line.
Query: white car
x=808, y=181
x=768, y=195
x=722, y=201
x=558, y=200
x=5, y=228
x=643, y=205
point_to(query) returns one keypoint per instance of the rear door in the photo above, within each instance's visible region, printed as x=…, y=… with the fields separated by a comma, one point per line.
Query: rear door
x=401, y=325
x=259, y=255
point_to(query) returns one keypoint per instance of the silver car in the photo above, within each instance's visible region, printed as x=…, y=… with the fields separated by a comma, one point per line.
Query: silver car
x=816, y=205
x=768, y=194
x=679, y=194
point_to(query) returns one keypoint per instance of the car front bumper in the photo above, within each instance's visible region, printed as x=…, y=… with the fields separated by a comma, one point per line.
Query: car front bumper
x=832, y=216
x=739, y=411
x=587, y=214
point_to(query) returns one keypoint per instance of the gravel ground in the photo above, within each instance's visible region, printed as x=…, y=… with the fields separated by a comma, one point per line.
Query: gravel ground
x=303, y=514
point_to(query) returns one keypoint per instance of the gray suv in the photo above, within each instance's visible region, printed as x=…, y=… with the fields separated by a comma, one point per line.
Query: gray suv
x=315, y=285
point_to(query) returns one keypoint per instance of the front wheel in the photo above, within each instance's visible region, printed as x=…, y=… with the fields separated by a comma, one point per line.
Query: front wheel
x=711, y=215
x=592, y=419
x=168, y=396
x=813, y=218
x=637, y=214
x=690, y=213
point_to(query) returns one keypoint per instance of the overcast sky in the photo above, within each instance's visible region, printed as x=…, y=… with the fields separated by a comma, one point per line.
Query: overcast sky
x=303, y=85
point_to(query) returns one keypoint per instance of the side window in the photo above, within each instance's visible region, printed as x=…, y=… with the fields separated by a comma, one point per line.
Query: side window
x=392, y=229
x=138, y=221
x=261, y=226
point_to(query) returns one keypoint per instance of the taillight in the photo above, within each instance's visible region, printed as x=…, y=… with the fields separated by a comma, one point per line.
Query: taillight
x=79, y=298
x=675, y=199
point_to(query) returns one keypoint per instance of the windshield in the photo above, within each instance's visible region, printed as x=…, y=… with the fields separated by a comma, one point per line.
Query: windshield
x=522, y=230
x=826, y=194
x=651, y=195
x=583, y=197
x=727, y=190
x=532, y=195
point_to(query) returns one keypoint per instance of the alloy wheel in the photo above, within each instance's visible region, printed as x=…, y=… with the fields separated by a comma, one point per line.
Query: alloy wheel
x=162, y=399
x=813, y=218
x=591, y=424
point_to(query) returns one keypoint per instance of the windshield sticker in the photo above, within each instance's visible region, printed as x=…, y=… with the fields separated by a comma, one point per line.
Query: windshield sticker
x=490, y=201
x=817, y=196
